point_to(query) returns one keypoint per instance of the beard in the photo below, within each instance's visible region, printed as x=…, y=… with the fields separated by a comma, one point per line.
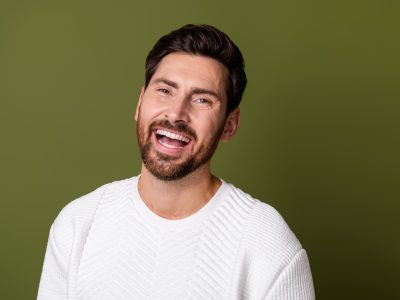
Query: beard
x=169, y=167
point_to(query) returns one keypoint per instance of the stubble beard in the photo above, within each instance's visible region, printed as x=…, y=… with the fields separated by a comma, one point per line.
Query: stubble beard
x=167, y=167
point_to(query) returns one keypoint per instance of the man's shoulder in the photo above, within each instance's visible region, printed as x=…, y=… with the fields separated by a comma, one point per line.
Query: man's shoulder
x=83, y=208
x=266, y=229
x=266, y=221
x=274, y=261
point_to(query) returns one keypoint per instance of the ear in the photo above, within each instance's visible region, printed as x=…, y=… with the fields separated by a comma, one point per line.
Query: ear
x=231, y=125
x=139, y=103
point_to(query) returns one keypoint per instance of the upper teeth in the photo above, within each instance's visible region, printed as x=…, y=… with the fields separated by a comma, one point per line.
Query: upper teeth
x=172, y=135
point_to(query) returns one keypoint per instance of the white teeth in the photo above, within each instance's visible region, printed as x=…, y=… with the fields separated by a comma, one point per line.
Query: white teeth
x=172, y=135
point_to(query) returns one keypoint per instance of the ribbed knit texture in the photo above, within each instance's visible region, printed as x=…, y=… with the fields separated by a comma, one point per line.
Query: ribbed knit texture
x=109, y=245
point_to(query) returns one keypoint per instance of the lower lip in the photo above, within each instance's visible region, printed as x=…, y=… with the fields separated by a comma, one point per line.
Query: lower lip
x=160, y=147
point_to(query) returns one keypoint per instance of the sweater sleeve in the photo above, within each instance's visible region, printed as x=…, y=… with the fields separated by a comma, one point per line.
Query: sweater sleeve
x=295, y=281
x=54, y=278
x=276, y=263
x=64, y=247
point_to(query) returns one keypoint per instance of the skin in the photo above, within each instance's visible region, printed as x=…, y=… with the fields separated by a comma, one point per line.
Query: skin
x=186, y=89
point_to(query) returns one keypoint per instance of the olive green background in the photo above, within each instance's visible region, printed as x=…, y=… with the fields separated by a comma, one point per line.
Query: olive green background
x=319, y=135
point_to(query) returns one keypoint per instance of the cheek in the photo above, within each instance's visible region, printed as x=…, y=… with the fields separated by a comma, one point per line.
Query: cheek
x=210, y=128
x=150, y=110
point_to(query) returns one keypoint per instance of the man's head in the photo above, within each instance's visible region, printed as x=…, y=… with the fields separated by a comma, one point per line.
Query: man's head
x=203, y=40
x=194, y=83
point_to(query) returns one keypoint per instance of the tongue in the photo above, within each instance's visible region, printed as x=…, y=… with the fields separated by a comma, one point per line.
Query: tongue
x=172, y=142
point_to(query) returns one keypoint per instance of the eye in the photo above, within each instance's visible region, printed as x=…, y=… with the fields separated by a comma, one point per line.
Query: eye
x=163, y=91
x=203, y=101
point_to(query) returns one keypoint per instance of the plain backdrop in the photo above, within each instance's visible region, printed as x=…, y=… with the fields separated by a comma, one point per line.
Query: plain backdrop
x=319, y=135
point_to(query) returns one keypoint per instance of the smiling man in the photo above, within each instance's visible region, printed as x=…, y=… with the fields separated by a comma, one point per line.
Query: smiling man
x=177, y=231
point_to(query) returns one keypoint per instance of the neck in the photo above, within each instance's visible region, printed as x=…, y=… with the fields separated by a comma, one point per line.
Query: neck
x=181, y=198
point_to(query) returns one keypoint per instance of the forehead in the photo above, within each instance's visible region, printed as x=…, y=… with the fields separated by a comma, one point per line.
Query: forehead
x=192, y=70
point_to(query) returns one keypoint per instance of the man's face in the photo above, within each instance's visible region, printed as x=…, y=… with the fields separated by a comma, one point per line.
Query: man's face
x=181, y=115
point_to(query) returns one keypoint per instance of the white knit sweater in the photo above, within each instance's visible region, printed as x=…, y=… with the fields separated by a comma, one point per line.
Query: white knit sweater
x=109, y=245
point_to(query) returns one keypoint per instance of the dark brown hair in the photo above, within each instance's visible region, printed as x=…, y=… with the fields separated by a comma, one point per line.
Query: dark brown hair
x=204, y=40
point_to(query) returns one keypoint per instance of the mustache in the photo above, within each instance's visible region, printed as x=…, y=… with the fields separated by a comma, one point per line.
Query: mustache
x=179, y=127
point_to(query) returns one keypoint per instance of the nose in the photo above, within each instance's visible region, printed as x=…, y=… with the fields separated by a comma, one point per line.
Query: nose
x=178, y=111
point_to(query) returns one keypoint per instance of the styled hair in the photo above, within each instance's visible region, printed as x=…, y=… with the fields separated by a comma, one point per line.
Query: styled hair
x=203, y=40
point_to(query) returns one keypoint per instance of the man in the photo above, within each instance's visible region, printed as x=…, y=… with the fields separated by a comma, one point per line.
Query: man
x=177, y=231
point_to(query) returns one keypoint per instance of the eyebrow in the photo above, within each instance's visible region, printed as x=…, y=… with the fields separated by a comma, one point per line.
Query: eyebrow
x=166, y=81
x=204, y=91
x=194, y=90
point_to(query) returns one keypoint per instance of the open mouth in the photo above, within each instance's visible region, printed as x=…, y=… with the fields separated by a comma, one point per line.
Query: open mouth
x=170, y=139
